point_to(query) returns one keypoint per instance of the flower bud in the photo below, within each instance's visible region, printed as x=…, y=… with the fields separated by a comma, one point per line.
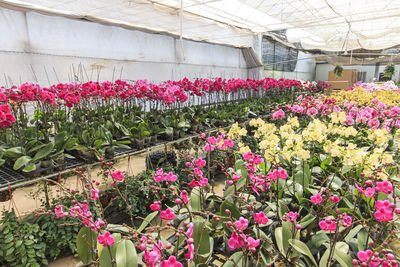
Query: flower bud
x=298, y=226
x=229, y=182
x=355, y=262
x=168, y=246
x=227, y=211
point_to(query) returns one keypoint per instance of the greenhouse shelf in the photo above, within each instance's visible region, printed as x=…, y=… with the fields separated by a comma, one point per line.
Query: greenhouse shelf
x=10, y=177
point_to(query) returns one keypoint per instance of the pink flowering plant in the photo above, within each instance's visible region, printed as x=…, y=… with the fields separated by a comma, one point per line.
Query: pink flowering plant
x=307, y=190
x=271, y=211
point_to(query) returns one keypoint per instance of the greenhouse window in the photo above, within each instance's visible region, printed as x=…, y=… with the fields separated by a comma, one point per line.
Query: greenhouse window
x=276, y=56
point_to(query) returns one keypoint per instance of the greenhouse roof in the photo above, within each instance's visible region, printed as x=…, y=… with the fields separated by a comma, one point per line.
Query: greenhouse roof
x=330, y=25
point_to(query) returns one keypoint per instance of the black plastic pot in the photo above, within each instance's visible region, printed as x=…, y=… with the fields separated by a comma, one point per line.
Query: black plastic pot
x=109, y=152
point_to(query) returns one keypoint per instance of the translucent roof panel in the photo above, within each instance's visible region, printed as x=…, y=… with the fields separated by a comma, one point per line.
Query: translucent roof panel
x=332, y=25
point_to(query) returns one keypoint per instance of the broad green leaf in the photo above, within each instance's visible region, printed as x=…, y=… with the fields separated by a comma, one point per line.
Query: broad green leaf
x=228, y=205
x=117, y=228
x=240, y=165
x=22, y=161
x=236, y=259
x=30, y=167
x=309, y=218
x=302, y=178
x=341, y=256
x=353, y=232
x=43, y=152
x=239, y=184
x=235, y=213
x=362, y=239
x=303, y=249
x=195, y=199
x=169, y=131
x=125, y=254
x=86, y=241
x=105, y=258
x=319, y=239
x=201, y=239
x=147, y=220
x=323, y=262
x=13, y=152
x=286, y=234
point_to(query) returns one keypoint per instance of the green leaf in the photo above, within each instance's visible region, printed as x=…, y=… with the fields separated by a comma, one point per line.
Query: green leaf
x=105, y=259
x=309, y=218
x=195, y=200
x=125, y=254
x=362, y=239
x=13, y=153
x=302, y=178
x=323, y=262
x=341, y=256
x=147, y=220
x=43, y=152
x=202, y=241
x=227, y=204
x=319, y=239
x=22, y=161
x=282, y=235
x=116, y=228
x=31, y=167
x=86, y=241
x=353, y=232
x=303, y=249
x=169, y=131
x=236, y=259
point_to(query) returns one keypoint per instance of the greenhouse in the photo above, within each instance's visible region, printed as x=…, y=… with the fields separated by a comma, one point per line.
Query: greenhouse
x=183, y=133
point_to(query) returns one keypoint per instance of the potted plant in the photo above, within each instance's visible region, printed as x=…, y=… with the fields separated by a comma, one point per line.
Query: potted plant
x=139, y=133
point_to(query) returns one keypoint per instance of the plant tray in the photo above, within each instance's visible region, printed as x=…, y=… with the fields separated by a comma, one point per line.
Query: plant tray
x=9, y=177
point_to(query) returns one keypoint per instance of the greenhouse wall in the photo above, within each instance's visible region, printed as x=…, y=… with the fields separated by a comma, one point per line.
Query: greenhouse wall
x=305, y=69
x=50, y=49
x=366, y=73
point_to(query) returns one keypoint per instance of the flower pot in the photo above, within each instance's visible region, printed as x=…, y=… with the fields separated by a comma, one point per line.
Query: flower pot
x=154, y=139
x=109, y=152
x=195, y=127
x=147, y=141
x=88, y=156
x=59, y=163
x=47, y=166
x=139, y=143
x=170, y=137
